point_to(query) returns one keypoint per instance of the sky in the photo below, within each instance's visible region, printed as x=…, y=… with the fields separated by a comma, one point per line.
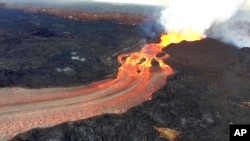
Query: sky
x=145, y=2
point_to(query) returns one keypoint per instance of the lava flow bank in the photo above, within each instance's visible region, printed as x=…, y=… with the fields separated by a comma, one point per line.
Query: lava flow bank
x=140, y=74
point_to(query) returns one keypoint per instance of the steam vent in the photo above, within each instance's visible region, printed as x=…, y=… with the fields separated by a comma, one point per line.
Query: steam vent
x=107, y=70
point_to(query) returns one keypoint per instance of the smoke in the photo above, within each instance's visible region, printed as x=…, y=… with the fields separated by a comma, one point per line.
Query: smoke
x=197, y=15
x=235, y=31
x=150, y=30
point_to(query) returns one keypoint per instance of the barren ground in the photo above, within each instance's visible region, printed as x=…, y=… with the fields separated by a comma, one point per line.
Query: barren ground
x=208, y=92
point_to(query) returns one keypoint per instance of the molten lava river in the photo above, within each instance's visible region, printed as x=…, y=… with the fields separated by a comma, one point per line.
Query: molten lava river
x=140, y=74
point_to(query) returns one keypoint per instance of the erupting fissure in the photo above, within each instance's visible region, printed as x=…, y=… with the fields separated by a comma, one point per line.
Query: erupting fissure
x=175, y=37
x=148, y=55
x=140, y=74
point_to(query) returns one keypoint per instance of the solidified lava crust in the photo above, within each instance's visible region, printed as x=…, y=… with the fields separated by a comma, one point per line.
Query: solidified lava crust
x=200, y=100
x=49, y=106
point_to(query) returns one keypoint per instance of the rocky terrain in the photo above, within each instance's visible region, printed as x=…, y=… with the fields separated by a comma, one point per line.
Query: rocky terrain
x=36, y=48
x=208, y=92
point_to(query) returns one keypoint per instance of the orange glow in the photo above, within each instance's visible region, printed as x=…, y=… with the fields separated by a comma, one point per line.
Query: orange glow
x=140, y=74
x=143, y=59
x=175, y=37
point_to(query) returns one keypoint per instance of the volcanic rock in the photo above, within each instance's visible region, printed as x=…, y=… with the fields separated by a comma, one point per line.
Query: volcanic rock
x=42, y=32
x=33, y=55
x=209, y=90
x=200, y=100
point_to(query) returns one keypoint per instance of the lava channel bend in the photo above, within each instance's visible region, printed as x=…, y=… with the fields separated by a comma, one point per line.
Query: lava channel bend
x=140, y=74
x=23, y=109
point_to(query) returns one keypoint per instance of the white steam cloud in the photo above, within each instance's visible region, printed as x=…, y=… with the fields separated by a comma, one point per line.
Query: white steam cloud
x=234, y=31
x=197, y=15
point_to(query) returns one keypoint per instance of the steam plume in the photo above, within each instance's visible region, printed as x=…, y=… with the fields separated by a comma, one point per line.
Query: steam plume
x=197, y=15
x=234, y=31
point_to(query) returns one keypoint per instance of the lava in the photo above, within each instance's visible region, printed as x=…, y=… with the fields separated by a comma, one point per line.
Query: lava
x=140, y=74
x=176, y=37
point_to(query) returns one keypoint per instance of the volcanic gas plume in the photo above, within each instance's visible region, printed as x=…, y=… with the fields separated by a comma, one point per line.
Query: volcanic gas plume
x=200, y=15
x=197, y=15
x=140, y=74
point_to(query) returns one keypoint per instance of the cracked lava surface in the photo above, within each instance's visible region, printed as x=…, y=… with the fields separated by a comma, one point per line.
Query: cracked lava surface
x=23, y=109
x=140, y=74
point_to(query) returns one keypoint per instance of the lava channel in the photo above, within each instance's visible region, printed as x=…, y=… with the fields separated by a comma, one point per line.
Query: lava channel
x=23, y=109
x=140, y=74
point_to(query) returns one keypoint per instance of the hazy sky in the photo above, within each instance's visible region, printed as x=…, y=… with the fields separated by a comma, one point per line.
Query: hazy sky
x=148, y=2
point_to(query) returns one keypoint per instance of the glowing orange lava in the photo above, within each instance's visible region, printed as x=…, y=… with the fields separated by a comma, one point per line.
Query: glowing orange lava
x=140, y=74
x=175, y=37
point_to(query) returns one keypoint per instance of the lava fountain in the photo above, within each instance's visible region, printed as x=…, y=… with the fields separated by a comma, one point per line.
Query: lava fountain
x=140, y=74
